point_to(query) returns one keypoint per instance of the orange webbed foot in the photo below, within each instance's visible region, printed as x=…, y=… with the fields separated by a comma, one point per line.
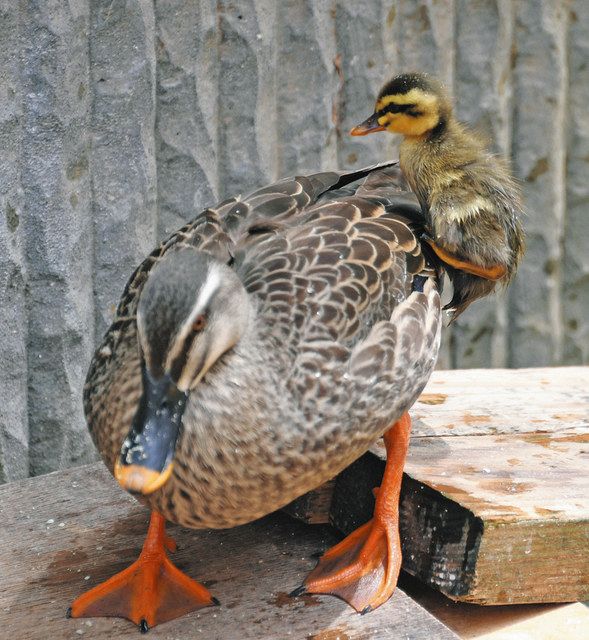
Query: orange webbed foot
x=363, y=569
x=151, y=591
x=491, y=272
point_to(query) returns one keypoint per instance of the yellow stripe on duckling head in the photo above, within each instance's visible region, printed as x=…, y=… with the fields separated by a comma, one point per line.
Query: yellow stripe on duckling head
x=411, y=126
x=426, y=114
x=417, y=97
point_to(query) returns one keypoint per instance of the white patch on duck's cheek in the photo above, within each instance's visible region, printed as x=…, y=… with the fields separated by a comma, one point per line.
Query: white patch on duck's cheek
x=205, y=295
x=141, y=338
x=222, y=338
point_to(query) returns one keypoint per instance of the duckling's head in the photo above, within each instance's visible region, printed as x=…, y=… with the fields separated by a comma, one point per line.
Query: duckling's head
x=191, y=311
x=412, y=104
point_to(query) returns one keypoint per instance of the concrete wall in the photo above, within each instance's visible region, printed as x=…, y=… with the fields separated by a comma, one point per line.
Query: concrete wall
x=119, y=119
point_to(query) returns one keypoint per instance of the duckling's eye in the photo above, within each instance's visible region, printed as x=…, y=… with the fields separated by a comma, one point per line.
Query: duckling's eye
x=200, y=322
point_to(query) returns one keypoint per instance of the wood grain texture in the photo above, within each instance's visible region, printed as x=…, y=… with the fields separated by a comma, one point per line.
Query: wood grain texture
x=157, y=109
x=313, y=507
x=69, y=531
x=494, y=504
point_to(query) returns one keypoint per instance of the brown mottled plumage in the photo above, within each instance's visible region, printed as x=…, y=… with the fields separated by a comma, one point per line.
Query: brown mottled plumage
x=336, y=345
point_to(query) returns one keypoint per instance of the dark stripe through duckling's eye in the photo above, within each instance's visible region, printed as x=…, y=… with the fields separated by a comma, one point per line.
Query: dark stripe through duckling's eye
x=409, y=109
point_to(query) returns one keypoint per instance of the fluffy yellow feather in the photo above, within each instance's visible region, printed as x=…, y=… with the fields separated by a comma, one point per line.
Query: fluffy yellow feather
x=469, y=198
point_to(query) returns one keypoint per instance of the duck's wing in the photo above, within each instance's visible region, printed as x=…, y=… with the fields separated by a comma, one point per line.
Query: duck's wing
x=220, y=230
x=349, y=300
x=345, y=265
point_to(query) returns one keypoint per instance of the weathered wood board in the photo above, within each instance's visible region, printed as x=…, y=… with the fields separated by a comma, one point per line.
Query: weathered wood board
x=495, y=498
x=66, y=532
x=542, y=621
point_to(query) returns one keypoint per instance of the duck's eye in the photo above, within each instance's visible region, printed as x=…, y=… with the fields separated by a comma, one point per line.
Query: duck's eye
x=200, y=322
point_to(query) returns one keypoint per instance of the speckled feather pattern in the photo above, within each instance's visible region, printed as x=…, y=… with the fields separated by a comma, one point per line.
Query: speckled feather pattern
x=338, y=348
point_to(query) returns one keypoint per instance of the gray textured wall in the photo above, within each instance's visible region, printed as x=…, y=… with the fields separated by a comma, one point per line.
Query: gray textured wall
x=120, y=118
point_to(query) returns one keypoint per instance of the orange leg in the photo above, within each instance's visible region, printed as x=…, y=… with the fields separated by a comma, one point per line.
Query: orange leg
x=364, y=567
x=151, y=591
x=494, y=272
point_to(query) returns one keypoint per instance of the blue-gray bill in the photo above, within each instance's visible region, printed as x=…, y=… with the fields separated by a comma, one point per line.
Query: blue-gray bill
x=147, y=455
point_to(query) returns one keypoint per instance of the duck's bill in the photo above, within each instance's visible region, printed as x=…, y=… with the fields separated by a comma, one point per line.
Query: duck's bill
x=370, y=125
x=147, y=455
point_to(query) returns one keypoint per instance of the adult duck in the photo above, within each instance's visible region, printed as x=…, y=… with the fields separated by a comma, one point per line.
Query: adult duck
x=269, y=342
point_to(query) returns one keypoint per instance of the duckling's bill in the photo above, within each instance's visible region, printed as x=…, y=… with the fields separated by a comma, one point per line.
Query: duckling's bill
x=146, y=460
x=370, y=125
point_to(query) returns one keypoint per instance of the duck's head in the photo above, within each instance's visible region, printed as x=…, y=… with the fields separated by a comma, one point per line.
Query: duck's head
x=191, y=311
x=412, y=104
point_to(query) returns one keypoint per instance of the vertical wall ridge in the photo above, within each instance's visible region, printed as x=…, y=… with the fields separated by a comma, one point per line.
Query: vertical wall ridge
x=539, y=73
x=481, y=61
x=575, y=286
x=122, y=49
x=55, y=187
x=14, y=430
x=121, y=120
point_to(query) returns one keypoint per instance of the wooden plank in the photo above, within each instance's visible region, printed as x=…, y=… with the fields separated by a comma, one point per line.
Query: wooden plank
x=495, y=486
x=503, y=622
x=313, y=507
x=65, y=532
x=485, y=402
x=495, y=401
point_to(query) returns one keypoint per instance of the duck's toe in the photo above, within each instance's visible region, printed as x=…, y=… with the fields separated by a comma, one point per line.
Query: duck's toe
x=362, y=569
x=151, y=591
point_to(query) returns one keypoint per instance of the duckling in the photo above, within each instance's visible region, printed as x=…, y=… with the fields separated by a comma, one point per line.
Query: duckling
x=470, y=199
